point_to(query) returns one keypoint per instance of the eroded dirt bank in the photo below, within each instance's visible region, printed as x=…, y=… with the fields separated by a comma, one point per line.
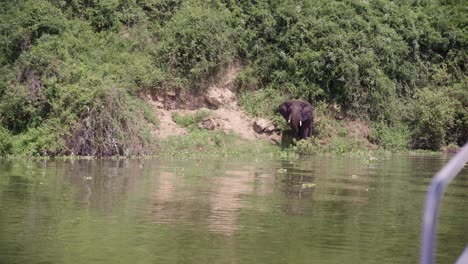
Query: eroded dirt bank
x=221, y=101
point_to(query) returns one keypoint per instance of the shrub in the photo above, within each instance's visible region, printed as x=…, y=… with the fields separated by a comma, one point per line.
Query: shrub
x=263, y=102
x=458, y=133
x=72, y=79
x=307, y=147
x=45, y=140
x=113, y=125
x=5, y=142
x=23, y=23
x=247, y=80
x=438, y=116
x=196, y=42
x=395, y=137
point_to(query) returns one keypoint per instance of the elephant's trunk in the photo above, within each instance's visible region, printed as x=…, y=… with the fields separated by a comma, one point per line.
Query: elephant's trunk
x=289, y=120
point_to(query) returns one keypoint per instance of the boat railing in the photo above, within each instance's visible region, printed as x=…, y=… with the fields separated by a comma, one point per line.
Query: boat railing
x=431, y=210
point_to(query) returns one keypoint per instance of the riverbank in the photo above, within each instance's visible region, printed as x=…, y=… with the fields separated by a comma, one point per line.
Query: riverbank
x=80, y=78
x=217, y=123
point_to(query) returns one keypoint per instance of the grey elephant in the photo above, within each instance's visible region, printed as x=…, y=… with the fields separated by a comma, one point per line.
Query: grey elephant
x=300, y=116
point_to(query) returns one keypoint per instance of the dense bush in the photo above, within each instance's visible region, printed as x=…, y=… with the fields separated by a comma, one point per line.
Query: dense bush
x=196, y=43
x=112, y=126
x=394, y=137
x=23, y=23
x=116, y=14
x=5, y=142
x=361, y=54
x=440, y=117
x=64, y=76
x=261, y=103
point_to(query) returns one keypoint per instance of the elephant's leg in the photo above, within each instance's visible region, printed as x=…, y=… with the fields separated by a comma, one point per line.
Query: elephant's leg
x=305, y=133
x=309, y=131
x=306, y=129
x=311, y=127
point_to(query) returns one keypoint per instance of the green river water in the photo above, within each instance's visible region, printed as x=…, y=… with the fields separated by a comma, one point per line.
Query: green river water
x=314, y=210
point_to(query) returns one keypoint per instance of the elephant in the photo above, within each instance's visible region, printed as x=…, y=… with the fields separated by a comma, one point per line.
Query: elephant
x=300, y=116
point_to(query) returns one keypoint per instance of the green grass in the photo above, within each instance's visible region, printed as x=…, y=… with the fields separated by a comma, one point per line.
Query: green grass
x=214, y=143
x=190, y=121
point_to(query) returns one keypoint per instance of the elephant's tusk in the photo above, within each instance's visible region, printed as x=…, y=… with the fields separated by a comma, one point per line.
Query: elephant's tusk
x=289, y=120
x=300, y=123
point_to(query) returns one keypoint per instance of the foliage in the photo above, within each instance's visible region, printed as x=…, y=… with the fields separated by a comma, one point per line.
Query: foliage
x=440, y=117
x=45, y=140
x=263, y=102
x=196, y=42
x=67, y=75
x=116, y=14
x=247, y=80
x=337, y=145
x=5, y=142
x=368, y=57
x=363, y=55
x=398, y=64
x=396, y=137
x=23, y=23
x=112, y=127
x=307, y=147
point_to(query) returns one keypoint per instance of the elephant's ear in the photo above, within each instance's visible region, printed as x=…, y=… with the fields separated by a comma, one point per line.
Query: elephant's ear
x=284, y=110
x=307, y=111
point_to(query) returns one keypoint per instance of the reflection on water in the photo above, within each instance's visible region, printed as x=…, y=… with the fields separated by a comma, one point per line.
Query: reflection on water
x=217, y=199
x=226, y=200
x=163, y=193
x=316, y=210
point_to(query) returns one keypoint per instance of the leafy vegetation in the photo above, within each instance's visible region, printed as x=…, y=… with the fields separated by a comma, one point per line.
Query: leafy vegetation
x=195, y=43
x=72, y=72
x=394, y=138
x=71, y=90
x=439, y=115
x=5, y=143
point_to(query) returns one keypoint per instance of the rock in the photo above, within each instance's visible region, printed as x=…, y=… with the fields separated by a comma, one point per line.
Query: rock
x=275, y=139
x=269, y=129
x=213, y=98
x=217, y=97
x=158, y=104
x=262, y=125
x=208, y=123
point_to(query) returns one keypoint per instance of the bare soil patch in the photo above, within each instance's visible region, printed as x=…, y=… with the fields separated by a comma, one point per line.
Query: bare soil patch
x=219, y=98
